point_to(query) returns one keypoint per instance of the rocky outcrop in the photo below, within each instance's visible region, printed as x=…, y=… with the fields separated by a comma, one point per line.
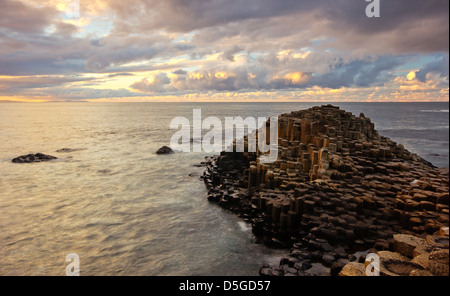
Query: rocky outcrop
x=438, y=262
x=432, y=260
x=164, y=150
x=353, y=269
x=407, y=244
x=395, y=264
x=30, y=158
x=337, y=187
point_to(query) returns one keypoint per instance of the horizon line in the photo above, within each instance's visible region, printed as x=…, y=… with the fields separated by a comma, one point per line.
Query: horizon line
x=323, y=102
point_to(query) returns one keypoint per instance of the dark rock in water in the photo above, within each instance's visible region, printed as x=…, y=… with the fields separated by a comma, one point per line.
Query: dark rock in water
x=352, y=258
x=105, y=172
x=164, y=150
x=328, y=260
x=265, y=271
x=30, y=158
x=336, y=268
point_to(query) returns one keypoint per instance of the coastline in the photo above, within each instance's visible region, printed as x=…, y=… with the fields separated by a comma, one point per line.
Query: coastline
x=337, y=189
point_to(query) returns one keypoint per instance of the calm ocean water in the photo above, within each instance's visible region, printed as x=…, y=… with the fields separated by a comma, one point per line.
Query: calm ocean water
x=125, y=210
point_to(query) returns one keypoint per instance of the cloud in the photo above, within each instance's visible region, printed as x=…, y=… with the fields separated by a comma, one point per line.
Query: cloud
x=271, y=77
x=360, y=73
x=185, y=47
x=439, y=66
x=401, y=27
x=153, y=84
x=230, y=52
x=120, y=75
x=179, y=72
x=41, y=86
x=16, y=16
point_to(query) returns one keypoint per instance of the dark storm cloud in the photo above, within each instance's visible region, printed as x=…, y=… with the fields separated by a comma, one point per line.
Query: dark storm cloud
x=360, y=73
x=43, y=55
x=402, y=24
x=188, y=15
x=407, y=26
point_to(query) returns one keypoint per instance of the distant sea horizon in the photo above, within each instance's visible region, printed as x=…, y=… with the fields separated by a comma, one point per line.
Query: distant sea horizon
x=222, y=101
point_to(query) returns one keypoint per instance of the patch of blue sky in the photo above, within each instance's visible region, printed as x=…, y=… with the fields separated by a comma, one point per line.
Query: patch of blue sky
x=98, y=27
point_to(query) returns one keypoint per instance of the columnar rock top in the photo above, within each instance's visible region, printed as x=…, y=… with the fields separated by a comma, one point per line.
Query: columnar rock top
x=337, y=187
x=329, y=143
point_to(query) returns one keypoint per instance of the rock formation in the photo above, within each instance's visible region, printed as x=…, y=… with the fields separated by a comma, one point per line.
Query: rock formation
x=164, y=150
x=337, y=187
x=30, y=158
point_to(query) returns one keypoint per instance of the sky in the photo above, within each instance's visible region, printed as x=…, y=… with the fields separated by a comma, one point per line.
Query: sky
x=223, y=50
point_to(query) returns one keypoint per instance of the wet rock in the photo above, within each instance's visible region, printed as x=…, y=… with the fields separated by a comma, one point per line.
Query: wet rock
x=328, y=259
x=164, y=150
x=265, y=271
x=277, y=272
x=303, y=265
x=314, y=245
x=288, y=269
x=336, y=268
x=326, y=247
x=352, y=258
x=381, y=245
x=31, y=158
x=292, y=261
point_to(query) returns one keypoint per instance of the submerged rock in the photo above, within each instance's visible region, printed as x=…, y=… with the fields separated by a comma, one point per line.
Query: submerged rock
x=164, y=150
x=69, y=150
x=30, y=158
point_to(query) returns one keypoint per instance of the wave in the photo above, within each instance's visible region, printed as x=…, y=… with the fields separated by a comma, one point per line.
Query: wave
x=435, y=129
x=436, y=135
x=441, y=110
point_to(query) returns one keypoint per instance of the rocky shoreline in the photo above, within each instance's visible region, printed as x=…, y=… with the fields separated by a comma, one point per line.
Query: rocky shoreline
x=338, y=191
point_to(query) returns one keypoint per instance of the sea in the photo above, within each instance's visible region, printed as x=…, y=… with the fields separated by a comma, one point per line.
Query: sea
x=125, y=210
